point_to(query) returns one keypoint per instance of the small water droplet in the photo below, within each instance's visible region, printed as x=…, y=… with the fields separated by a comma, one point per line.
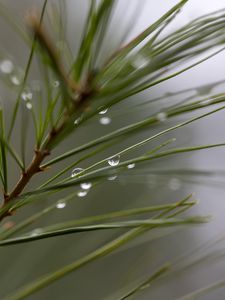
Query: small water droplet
x=76, y=171
x=114, y=160
x=36, y=232
x=29, y=105
x=131, y=166
x=61, y=204
x=174, y=184
x=55, y=83
x=77, y=121
x=6, y=66
x=105, y=120
x=104, y=111
x=86, y=185
x=26, y=96
x=111, y=178
x=161, y=117
x=82, y=193
x=15, y=80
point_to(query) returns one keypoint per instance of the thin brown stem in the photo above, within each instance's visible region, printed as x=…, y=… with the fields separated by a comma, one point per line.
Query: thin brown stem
x=84, y=95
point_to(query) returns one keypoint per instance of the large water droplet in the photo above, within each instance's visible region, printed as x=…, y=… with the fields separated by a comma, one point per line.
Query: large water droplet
x=104, y=111
x=82, y=193
x=86, y=185
x=105, y=120
x=76, y=171
x=161, y=117
x=61, y=204
x=6, y=66
x=15, y=80
x=114, y=160
x=174, y=184
x=29, y=105
x=131, y=166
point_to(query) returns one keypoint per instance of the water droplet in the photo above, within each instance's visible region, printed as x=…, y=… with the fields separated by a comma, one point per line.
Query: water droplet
x=105, y=120
x=161, y=117
x=174, y=184
x=55, y=83
x=15, y=80
x=36, y=232
x=29, y=105
x=76, y=171
x=104, y=111
x=26, y=96
x=206, y=102
x=77, y=121
x=86, y=185
x=111, y=178
x=6, y=66
x=131, y=166
x=140, y=61
x=82, y=193
x=114, y=160
x=61, y=204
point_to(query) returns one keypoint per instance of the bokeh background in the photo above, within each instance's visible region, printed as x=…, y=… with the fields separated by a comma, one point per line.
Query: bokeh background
x=19, y=264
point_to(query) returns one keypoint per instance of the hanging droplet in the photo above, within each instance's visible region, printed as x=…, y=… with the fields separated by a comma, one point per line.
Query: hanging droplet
x=111, y=178
x=15, y=80
x=105, y=120
x=161, y=117
x=82, y=193
x=55, y=83
x=26, y=96
x=76, y=171
x=104, y=111
x=6, y=66
x=131, y=166
x=29, y=105
x=174, y=184
x=86, y=185
x=61, y=204
x=114, y=160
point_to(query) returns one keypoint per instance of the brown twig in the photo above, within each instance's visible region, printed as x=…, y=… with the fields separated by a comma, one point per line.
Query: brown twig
x=83, y=93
